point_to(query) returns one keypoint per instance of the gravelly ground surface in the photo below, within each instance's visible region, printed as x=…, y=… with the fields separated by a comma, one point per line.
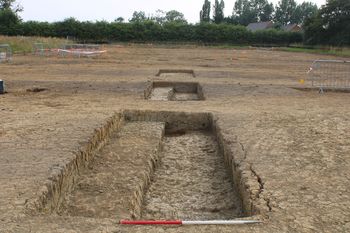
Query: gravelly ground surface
x=297, y=142
x=191, y=182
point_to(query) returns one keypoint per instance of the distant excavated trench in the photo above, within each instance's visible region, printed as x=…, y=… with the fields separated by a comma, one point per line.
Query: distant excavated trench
x=174, y=91
x=162, y=72
x=147, y=164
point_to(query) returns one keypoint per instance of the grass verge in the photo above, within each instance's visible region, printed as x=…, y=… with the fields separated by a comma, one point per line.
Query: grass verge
x=20, y=44
x=342, y=52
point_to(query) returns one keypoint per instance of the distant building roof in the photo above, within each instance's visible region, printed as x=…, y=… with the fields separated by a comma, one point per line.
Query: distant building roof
x=259, y=26
x=291, y=28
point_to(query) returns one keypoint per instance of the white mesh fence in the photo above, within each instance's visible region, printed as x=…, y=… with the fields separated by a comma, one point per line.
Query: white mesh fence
x=42, y=49
x=5, y=53
x=81, y=50
x=330, y=74
x=75, y=50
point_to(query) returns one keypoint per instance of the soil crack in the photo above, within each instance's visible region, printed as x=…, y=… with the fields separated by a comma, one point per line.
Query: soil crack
x=243, y=149
x=261, y=187
x=261, y=184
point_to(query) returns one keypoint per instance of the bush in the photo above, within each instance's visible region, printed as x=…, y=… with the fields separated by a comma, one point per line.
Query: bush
x=273, y=36
x=150, y=31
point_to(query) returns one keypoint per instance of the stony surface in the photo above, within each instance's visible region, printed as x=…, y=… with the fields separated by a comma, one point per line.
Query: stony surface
x=191, y=182
x=162, y=93
x=296, y=142
x=185, y=96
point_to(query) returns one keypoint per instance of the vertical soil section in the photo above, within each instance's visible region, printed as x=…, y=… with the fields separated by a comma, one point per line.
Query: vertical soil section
x=114, y=183
x=192, y=181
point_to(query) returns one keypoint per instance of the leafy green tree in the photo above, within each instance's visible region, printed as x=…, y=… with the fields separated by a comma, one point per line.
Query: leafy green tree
x=138, y=17
x=68, y=27
x=266, y=11
x=285, y=11
x=313, y=30
x=10, y=5
x=102, y=31
x=205, y=12
x=288, y=11
x=8, y=16
x=119, y=20
x=243, y=13
x=303, y=11
x=331, y=25
x=251, y=11
x=219, y=7
x=175, y=16
x=238, y=7
x=158, y=17
x=33, y=28
x=262, y=9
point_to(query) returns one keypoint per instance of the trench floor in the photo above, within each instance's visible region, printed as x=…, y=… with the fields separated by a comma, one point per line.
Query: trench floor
x=162, y=93
x=107, y=188
x=168, y=93
x=185, y=96
x=192, y=181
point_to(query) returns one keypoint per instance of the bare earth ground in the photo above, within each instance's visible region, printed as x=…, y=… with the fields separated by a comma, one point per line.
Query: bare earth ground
x=191, y=163
x=297, y=142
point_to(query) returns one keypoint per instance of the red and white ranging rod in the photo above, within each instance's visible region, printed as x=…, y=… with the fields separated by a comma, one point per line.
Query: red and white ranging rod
x=183, y=222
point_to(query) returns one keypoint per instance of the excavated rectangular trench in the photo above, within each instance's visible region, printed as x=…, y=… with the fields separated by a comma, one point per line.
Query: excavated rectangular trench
x=155, y=165
x=177, y=72
x=191, y=181
x=174, y=91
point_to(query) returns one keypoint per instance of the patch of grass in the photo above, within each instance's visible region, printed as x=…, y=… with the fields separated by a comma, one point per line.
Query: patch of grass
x=177, y=44
x=342, y=52
x=336, y=51
x=228, y=46
x=20, y=44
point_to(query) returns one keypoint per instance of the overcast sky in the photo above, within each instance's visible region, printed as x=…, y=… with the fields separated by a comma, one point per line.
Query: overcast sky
x=57, y=10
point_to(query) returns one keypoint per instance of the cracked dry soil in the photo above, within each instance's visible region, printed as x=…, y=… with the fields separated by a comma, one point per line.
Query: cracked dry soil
x=295, y=142
x=191, y=181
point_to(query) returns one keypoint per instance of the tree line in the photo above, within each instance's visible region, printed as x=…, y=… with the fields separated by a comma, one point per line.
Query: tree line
x=328, y=25
x=252, y=11
x=150, y=31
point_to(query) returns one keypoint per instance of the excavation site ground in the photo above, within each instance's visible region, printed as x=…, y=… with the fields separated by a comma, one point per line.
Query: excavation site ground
x=156, y=132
